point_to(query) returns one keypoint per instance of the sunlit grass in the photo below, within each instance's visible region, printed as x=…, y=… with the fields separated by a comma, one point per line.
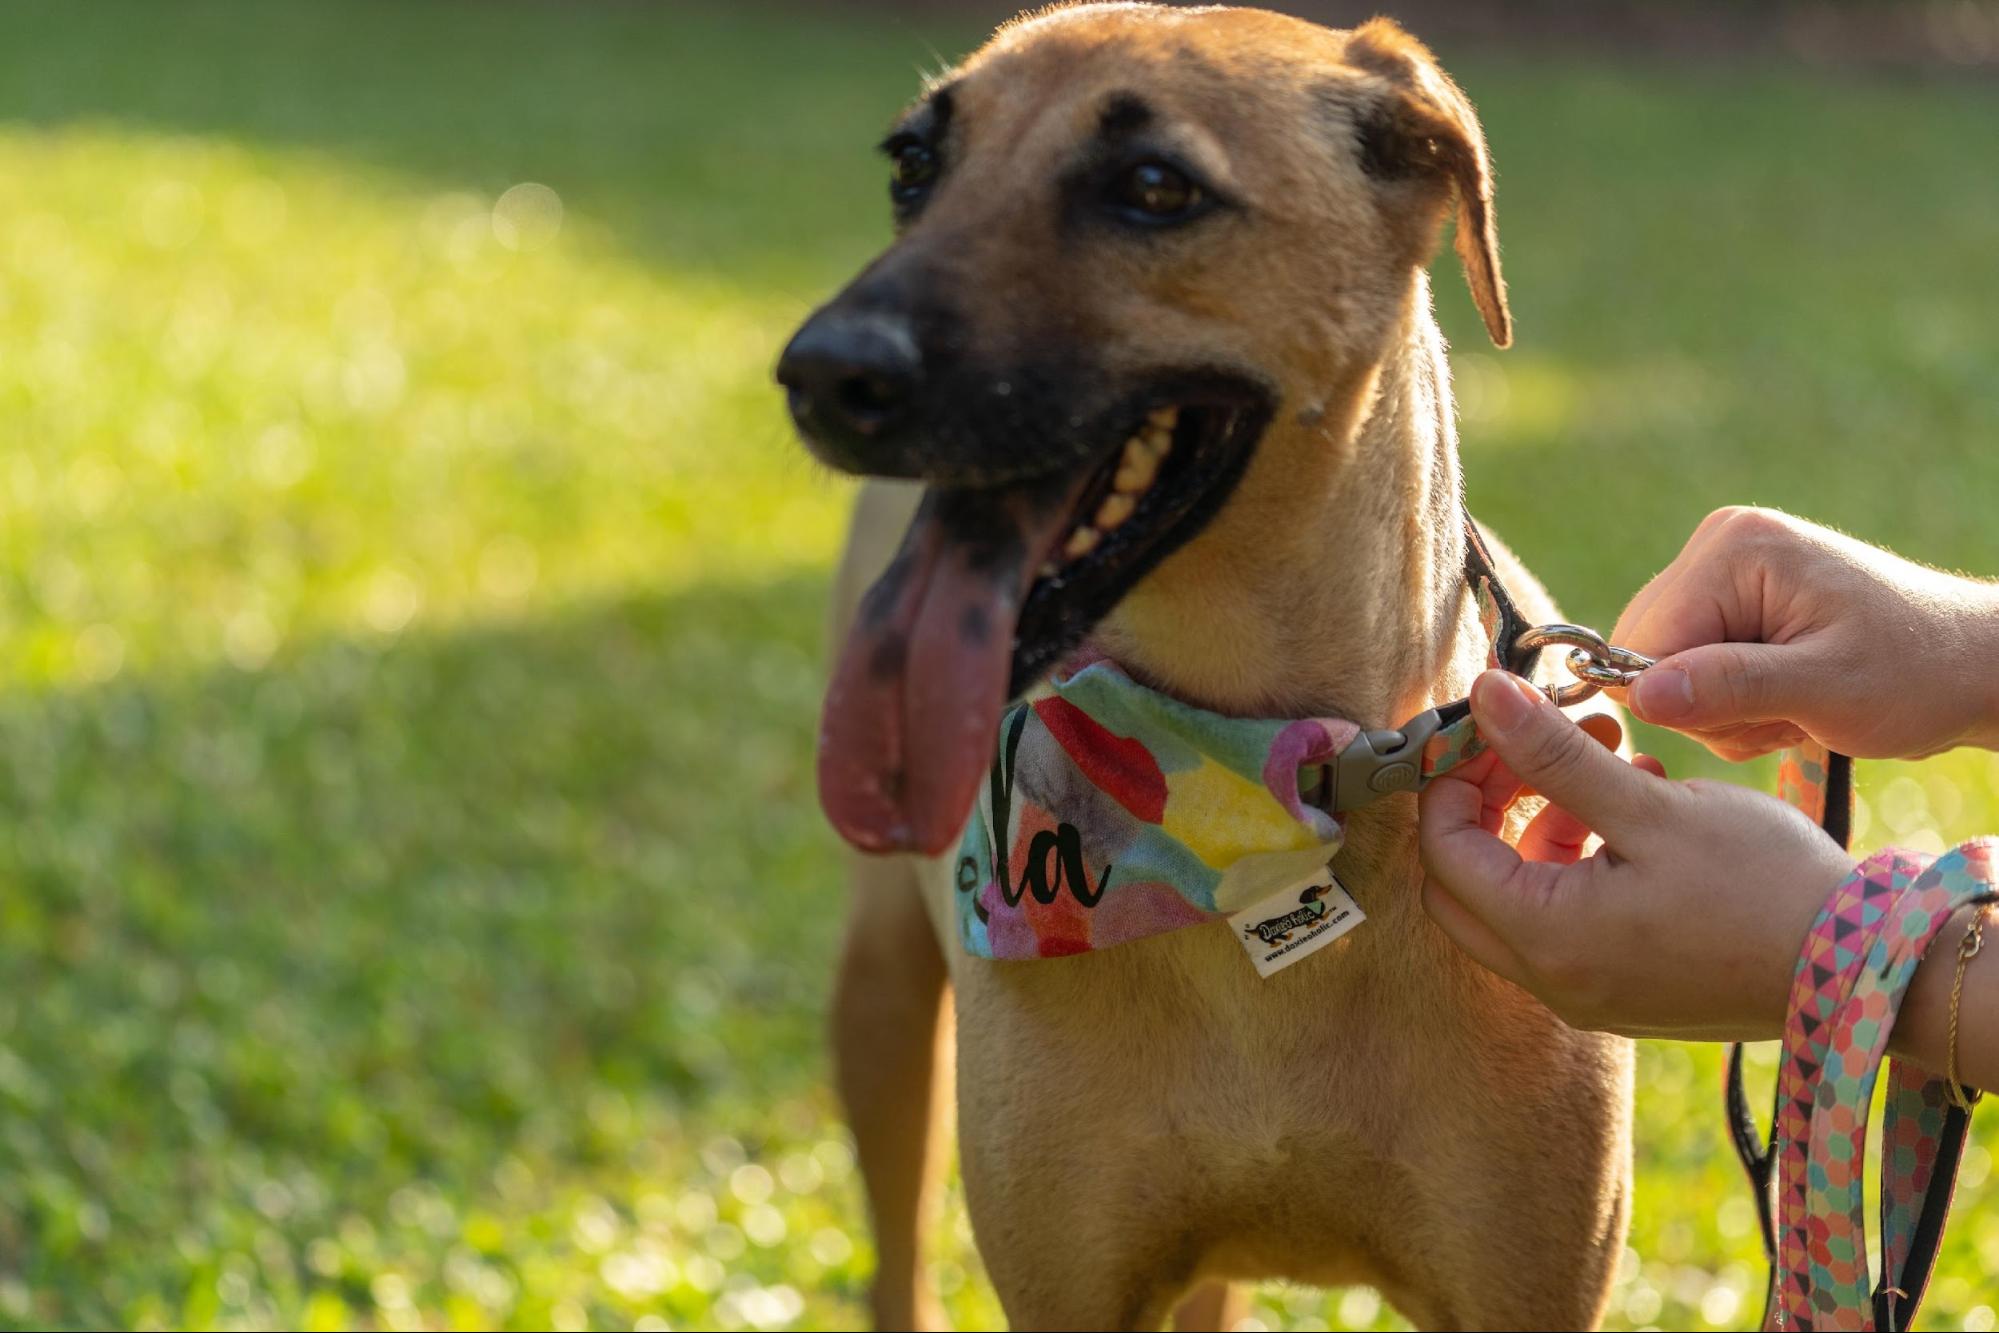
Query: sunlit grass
x=413, y=907
x=259, y=397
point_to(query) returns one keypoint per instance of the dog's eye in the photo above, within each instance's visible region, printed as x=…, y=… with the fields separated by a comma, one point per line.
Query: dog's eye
x=1155, y=192
x=912, y=166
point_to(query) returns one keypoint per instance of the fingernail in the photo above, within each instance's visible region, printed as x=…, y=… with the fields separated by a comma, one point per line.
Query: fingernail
x=1505, y=702
x=1663, y=694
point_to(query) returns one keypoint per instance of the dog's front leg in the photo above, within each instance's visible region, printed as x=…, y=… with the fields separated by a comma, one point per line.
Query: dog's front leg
x=887, y=1005
x=1211, y=1306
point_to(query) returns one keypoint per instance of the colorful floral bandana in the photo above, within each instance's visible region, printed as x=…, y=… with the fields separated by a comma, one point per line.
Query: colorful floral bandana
x=1114, y=812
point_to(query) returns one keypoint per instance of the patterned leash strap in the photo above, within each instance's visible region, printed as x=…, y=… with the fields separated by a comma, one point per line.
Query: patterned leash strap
x=1859, y=957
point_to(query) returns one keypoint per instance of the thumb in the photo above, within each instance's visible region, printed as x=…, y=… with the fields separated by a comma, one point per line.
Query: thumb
x=1716, y=685
x=1557, y=758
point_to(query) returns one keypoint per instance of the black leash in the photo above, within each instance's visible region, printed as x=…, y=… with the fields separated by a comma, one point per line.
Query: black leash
x=1510, y=637
x=1515, y=656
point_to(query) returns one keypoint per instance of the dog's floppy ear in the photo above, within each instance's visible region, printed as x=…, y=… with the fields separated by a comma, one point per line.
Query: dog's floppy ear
x=1425, y=126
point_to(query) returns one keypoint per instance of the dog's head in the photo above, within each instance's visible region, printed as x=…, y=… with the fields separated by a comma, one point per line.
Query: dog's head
x=1129, y=239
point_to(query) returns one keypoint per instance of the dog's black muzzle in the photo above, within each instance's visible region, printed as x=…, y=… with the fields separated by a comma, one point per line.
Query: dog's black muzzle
x=852, y=378
x=881, y=382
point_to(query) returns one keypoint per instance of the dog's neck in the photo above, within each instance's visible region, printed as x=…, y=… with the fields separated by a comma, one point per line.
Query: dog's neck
x=1347, y=602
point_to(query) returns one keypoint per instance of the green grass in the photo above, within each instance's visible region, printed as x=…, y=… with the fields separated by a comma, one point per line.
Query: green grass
x=413, y=906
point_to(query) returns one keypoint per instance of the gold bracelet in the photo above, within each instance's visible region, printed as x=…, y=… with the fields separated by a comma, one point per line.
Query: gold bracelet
x=1967, y=949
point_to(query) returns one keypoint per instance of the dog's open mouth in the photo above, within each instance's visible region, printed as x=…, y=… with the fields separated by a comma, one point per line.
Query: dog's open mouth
x=1160, y=488
x=994, y=584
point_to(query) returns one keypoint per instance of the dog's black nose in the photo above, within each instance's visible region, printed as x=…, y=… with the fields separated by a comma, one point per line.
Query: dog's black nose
x=851, y=373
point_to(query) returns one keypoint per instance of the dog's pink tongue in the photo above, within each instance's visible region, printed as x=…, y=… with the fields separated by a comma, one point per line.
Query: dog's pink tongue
x=915, y=698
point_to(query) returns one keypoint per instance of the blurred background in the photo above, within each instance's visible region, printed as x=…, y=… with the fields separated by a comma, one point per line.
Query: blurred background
x=414, y=910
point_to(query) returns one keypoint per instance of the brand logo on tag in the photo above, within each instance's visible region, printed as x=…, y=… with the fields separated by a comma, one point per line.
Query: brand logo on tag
x=1279, y=929
x=1301, y=920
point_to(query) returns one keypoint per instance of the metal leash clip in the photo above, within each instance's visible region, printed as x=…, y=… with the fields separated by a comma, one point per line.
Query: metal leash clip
x=1593, y=661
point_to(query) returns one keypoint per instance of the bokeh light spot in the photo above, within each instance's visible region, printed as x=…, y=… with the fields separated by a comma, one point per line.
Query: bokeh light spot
x=527, y=217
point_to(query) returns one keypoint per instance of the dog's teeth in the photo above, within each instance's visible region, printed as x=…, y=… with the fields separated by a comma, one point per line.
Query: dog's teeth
x=1139, y=466
x=1163, y=417
x=1157, y=440
x=1047, y=570
x=1081, y=542
x=1115, y=509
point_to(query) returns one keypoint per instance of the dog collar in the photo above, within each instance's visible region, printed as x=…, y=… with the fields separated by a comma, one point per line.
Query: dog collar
x=1114, y=811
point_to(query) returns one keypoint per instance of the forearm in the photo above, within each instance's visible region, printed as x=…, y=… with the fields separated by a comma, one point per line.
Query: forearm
x=1922, y=1028
x=1985, y=671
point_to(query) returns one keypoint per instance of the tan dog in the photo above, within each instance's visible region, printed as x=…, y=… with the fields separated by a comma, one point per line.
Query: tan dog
x=1108, y=210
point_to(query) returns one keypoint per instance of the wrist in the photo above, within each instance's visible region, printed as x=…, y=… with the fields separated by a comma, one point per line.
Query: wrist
x=1793, y=929
x=1922, y=1033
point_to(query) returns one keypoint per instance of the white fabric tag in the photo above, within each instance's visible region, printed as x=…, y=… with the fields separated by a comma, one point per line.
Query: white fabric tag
x=1301, y=920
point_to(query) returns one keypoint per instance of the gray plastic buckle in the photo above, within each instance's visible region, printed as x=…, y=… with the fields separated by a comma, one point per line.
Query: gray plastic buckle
x=1380, y=763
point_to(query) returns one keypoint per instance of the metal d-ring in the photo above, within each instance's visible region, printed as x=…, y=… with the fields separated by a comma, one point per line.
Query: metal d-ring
x=1594, y=662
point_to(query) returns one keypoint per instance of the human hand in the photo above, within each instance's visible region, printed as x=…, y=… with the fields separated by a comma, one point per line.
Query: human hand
x=1771, y=630
x=1686, y=923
